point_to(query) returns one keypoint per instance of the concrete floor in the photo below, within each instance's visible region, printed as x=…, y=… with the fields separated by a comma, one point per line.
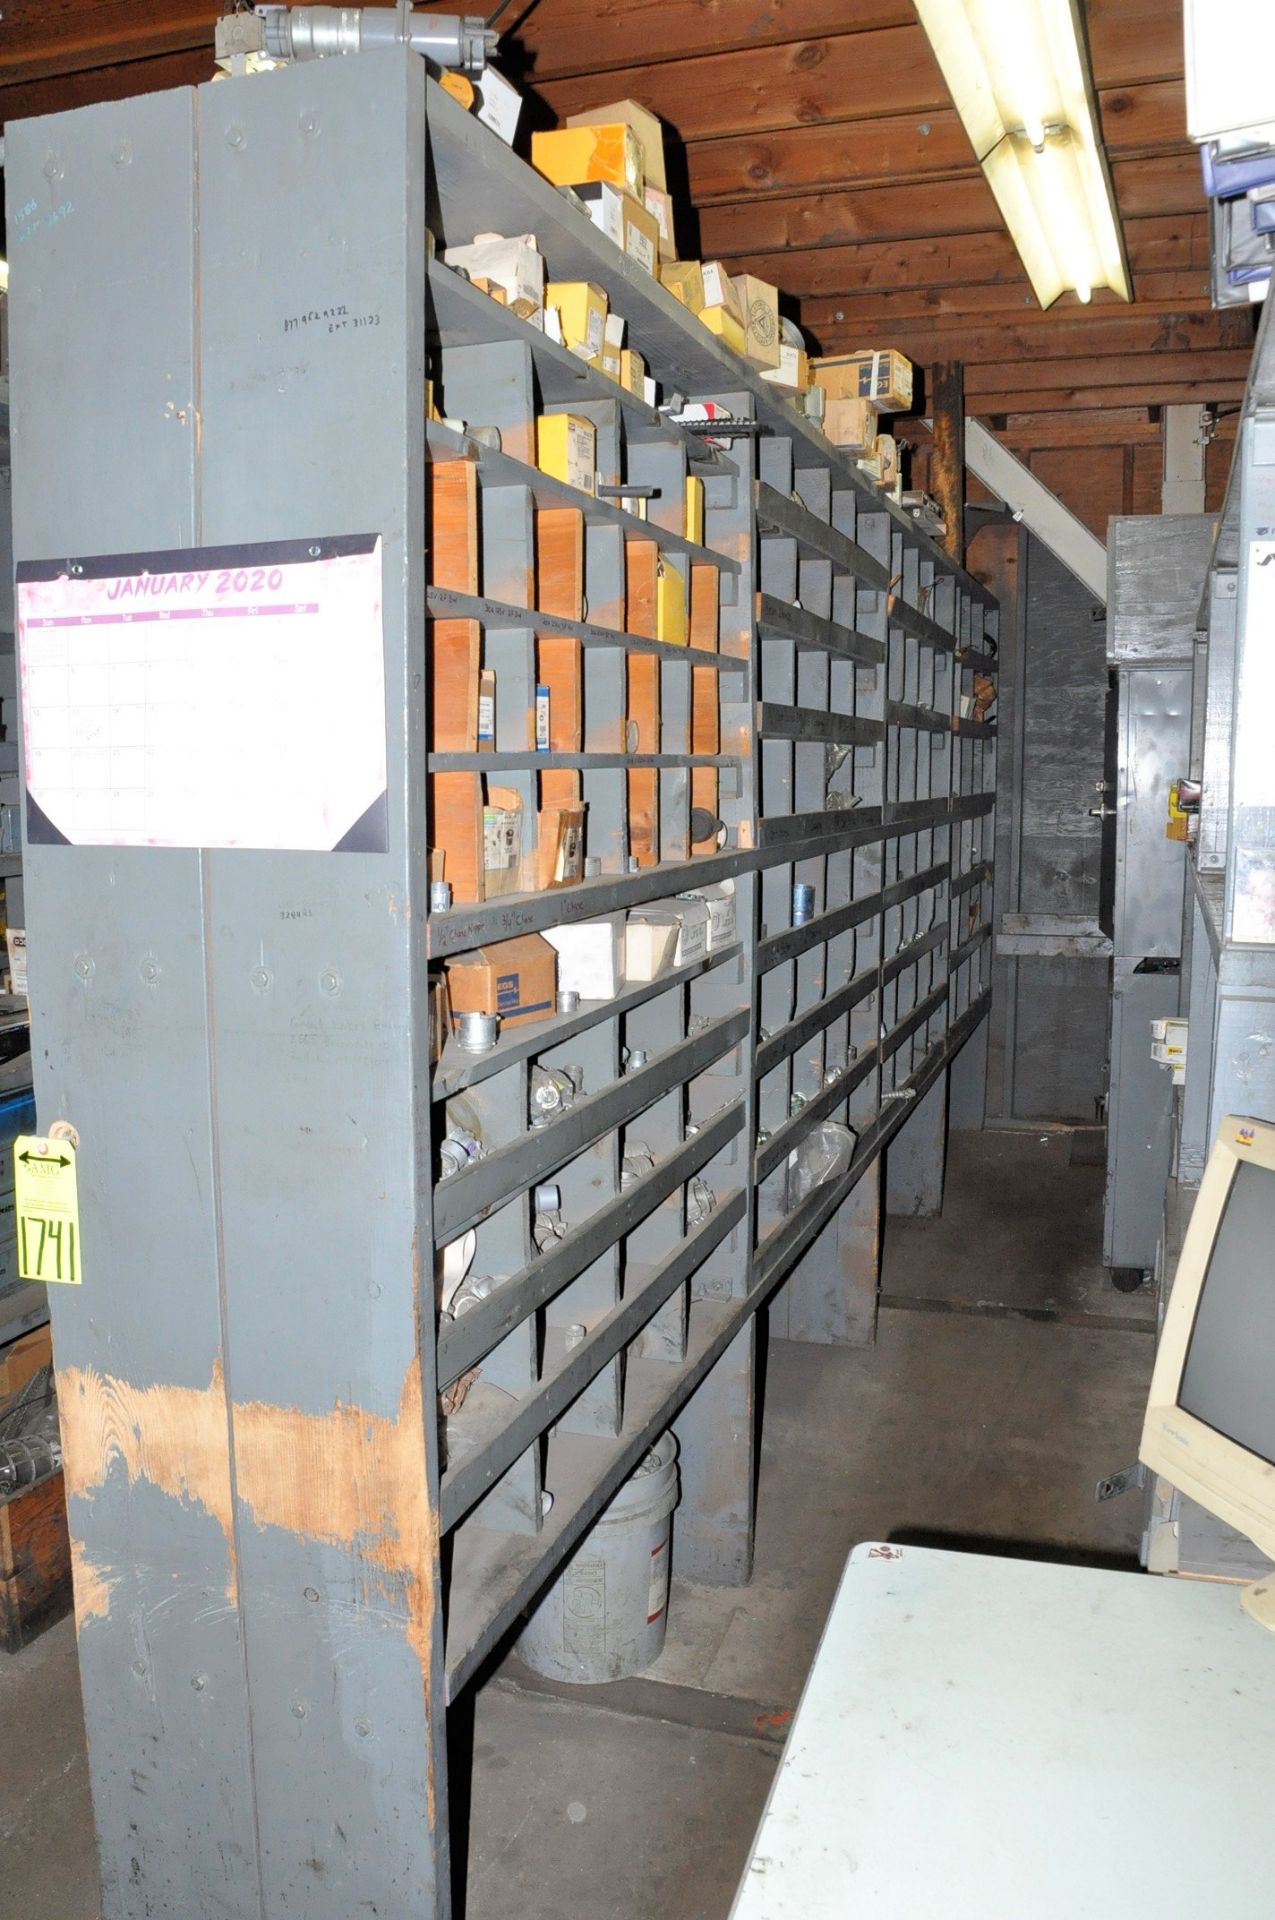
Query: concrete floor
x=984, y=1417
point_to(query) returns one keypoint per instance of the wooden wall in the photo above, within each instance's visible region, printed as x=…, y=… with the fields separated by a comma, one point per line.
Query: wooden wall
x=813, y=142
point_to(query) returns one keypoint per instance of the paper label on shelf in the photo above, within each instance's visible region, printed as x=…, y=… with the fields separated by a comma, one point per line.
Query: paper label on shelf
x=216, y=697
x=47, y=1205
x=595, y=327
x=657, y=1592
x=16, y=940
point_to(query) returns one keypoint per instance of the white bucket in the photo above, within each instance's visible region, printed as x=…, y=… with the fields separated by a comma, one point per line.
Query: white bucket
x=606, y=1614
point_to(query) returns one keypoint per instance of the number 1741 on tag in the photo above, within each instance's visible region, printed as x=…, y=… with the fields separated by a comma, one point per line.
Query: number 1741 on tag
x=48, y=1209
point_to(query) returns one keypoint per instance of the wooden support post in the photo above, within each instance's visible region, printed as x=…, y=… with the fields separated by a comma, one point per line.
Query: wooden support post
x=947, y=459
x=713, y=1525
x=916, y=1158
x=832, y=1295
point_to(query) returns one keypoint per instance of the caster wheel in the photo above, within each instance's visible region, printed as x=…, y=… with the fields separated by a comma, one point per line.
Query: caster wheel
x=1128, y=1279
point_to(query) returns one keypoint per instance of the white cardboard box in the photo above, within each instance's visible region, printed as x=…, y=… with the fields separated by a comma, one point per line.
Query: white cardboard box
x=720, y=901
x=590, y=956
x=516, y=265
x=672, y=933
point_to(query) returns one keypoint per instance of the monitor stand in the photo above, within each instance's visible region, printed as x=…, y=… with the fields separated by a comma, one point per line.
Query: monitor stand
x=1258, y=1600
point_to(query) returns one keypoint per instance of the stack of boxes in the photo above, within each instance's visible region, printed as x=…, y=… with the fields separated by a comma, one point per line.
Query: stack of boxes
x=611, y=160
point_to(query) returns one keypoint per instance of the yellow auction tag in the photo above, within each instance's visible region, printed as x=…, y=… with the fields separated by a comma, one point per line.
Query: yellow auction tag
x=48, y=1209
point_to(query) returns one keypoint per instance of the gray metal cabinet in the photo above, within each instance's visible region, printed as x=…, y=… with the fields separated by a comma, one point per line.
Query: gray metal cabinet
x=1157, y=569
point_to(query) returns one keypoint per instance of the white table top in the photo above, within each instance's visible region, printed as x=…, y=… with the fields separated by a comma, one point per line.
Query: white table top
x=986, y=1739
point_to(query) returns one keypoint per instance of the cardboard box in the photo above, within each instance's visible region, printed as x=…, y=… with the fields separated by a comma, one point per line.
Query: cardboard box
x=515, y=978
x=559, y=847
x=760, y=304
x=870, y=463
x=792, y=375
x=567, y=448
x=597, y=152
x=623, y=220
x=887, y=452
x=646, y=128
x=720, y=290
x=612, y=345
x=632, y=372
x=660, y=203
x=502, y=842
x=515, y=265
x=884, y=377
x=693, y=519
x=720, y=901
x=486, y=707
x=590, y=957
x=850, y=423
x=685, y=281
x=582, y=315
x=670, y=604
x=671, y=933
x=499, y=104
x=722, y=322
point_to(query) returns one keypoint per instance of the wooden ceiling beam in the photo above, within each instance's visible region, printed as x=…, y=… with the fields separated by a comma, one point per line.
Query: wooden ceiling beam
x=556, y=46
x=1174, y=242
x=1130, y=41
x=837, y=78
x=1071, y=399
x=1170, y=291
x=46, y=37
x=1048, y=338
x=1165, y=184
x=121, y=82
x=1138, y=121
x=1145, y=372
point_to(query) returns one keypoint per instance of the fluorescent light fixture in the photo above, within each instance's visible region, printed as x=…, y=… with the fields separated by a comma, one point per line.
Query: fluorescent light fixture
x=1019, y=78
x=4, y=276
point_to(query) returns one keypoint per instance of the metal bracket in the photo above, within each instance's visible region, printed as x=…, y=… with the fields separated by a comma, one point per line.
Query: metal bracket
x=1123, y=1482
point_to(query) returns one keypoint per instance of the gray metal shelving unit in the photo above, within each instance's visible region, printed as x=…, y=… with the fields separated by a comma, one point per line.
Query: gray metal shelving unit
x=263, y=1421
x=845, y=660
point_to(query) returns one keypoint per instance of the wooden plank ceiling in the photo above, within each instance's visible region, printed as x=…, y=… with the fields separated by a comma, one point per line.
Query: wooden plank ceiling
x=813, y=142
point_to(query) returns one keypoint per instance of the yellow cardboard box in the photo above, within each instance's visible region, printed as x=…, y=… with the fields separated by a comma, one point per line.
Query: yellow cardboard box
x=567, y=448
x=693, y=526
x=727, y=327
x=632, y=371
x=582, y=313
x=670, y=604
x=760, y=304
x=660, y=204
x=624, y=220
x=572, y=154
x=685, y=281
x=720, y=290
x=646, y=129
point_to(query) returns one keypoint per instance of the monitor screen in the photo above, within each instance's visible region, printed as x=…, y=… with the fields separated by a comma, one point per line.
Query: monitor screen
x=1229, y=1378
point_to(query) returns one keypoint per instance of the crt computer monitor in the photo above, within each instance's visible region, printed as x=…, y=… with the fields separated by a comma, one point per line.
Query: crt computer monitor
x=1210, y=1419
